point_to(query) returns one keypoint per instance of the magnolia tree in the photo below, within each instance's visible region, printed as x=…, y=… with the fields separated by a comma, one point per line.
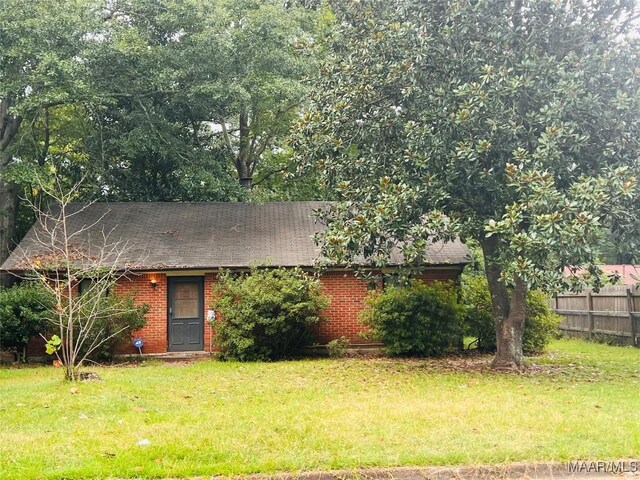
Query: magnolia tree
x=514, y=123
x=79, y=265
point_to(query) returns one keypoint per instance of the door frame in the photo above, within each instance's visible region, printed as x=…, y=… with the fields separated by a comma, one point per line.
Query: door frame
x=180, y=279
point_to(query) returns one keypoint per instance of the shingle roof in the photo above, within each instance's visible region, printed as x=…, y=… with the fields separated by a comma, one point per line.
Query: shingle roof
x=211, y=235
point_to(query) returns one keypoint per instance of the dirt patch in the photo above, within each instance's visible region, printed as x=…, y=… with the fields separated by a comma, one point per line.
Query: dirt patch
x=479, y=363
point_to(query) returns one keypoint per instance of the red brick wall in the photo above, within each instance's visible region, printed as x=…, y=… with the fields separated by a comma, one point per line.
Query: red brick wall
x=346, y=292
x=154, y=333
x=209, y=280
x=36, y=347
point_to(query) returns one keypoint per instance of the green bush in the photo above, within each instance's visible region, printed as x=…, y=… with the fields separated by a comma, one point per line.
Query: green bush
x=541, y=324
x=479, y=315
x=338, y=347
x=416, y=320
x=123, y=316
x=265, y=314
x=24, y=312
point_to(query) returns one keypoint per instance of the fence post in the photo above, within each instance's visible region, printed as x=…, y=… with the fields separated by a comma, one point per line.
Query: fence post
x=590, y=314
x=630, y=307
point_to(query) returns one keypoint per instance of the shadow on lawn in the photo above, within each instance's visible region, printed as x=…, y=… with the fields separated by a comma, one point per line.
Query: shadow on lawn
x=554, y=366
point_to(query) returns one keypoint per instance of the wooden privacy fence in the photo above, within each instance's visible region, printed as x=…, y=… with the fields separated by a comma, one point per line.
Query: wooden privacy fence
x=613, y=314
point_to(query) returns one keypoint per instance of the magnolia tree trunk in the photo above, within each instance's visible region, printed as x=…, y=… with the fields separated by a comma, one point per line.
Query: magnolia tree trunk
x=509, y=309
x=509, y=331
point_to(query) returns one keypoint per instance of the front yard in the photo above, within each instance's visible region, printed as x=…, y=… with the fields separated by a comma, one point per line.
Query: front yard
x=580, y=401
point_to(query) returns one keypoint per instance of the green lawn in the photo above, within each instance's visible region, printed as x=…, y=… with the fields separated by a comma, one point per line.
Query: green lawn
x=581, y=401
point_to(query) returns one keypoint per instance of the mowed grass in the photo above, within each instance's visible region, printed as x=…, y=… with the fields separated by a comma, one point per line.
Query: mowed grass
x=580, y=401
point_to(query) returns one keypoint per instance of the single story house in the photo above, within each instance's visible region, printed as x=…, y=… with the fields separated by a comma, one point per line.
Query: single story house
x=175, y=251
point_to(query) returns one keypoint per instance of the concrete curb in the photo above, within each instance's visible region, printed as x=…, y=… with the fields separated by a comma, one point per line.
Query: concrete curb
x=534, y=471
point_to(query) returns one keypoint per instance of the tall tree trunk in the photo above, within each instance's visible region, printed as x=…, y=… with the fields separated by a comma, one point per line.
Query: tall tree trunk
x=493, y=271
x=509, y=309
x=244, y=174
x=243, y=160
x=8, y=209
x=509, y=332
x=9, y=126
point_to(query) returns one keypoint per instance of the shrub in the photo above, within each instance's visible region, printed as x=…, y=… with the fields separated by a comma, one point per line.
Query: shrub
x=338, y=347
x=479, y=315
x=265, y=314
x=541, y=324
x=416, y=320
x=24, y=312
x=123, y=317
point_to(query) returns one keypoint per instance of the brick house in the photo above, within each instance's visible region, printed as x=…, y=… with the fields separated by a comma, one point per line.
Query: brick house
x=175, y=250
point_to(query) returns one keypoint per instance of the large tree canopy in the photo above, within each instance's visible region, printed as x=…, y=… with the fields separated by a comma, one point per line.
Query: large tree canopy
x=195, y=93
x=150, y=100
x=514, y=123
x=41, y=69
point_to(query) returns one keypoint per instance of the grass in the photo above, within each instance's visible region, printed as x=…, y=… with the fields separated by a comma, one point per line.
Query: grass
x=580, y=401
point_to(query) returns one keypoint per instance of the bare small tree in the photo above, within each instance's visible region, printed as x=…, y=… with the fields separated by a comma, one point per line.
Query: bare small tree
x=62, y=258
